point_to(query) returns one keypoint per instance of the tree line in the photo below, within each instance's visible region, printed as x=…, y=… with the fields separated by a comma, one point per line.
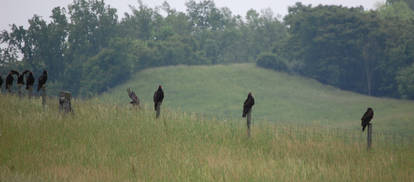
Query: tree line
x=370, y=52
x=88, y=49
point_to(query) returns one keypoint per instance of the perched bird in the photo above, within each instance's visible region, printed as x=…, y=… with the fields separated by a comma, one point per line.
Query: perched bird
x=9, y=80
x=133, y=96
x=158, y=97
x=248, y=104
x=42, y=80
x=20, y=78
x=29, y=79
x=366, y=118
x=1, y=82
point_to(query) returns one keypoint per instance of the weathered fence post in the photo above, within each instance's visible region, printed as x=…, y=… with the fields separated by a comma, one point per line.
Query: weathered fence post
x=19, y=87
x=369, y=136
x=158, y=110
x=249, y=118
x=43, y=90
x=64, y=102
x=30, y=90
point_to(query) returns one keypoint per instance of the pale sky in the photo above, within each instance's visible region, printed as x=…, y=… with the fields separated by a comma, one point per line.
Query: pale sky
x=19, y=11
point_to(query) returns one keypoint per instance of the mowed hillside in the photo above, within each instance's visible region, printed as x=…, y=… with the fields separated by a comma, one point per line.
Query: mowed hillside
x=220, y=90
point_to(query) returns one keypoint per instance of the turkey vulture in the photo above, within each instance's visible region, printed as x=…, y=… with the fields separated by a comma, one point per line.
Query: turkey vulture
x=9, y=80
x=29, y=79
x=20, y=78
x=42, y=80
x=158, y=97
x=133, y=96
x=1, y=82
x=366, y=118
x=248, y=104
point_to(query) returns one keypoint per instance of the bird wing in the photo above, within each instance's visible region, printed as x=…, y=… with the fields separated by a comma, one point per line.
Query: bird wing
x=161, y=95
x=247, y=105
x=132, y=95
x=364, y=116
x=41, y=82
x=249, y=102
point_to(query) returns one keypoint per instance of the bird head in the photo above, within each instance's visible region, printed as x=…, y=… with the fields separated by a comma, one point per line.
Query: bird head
x=250, y=94
x=159, y=86
x=369, y=109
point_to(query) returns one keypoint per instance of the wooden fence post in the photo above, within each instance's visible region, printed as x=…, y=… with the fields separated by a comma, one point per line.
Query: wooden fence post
x=158, y=110
x=30, y=90
x=64, y=102
x=369, y=136
x=43, y=90
x=19, y=87
x=249, y=118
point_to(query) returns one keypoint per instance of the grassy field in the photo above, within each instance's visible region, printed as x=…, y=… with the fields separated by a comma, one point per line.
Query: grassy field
x=106, y=142
x=220, y=90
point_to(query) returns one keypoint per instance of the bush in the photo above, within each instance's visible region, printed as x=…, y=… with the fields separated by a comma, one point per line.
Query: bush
x=272, y=61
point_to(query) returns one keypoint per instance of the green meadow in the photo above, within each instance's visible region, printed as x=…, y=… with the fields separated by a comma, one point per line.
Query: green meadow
x=302, y=131
x=219, y=91
x=108, y=142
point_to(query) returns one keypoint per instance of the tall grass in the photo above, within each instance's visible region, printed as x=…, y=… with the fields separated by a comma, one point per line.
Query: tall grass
x=105, y=142
x=220, y=90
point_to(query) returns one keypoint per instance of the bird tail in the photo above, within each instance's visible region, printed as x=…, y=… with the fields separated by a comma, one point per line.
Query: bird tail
x=244, y=115
x=363, y=128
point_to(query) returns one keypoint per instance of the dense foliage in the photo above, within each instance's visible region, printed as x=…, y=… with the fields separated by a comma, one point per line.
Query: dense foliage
x=88, y=49
x=353, y=49
x=272, y=61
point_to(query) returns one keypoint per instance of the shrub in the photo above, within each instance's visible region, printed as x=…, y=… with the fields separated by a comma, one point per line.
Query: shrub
x=272, y=61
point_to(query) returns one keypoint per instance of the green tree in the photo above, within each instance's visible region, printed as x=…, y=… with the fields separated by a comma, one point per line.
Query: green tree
x=141, y=23
x=327, y=38
x=405, y=79
x=410, y=3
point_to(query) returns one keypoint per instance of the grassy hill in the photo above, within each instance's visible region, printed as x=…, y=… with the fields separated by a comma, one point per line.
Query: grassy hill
x=106, y=142
x=220, y=90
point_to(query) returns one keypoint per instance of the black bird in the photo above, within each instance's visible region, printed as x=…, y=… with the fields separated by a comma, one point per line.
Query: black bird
x=29, y=79
x=248, y=104
x=158, y=97
x=366, y=118
x=133, y=96
x=9, y=79
x=20, y=78
x=1, y=82
x=42, y=80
